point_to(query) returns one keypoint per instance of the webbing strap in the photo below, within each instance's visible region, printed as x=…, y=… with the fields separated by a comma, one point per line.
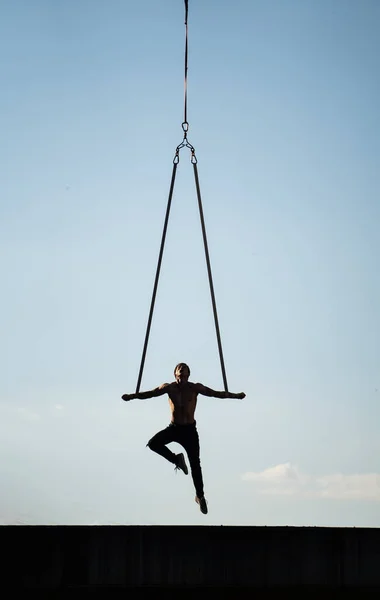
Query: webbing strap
x=210, y=276
x=186, y=56
x=157, y=275
x=184, y=144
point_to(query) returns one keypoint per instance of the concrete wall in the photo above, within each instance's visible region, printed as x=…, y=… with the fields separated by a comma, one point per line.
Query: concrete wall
x=62, y=557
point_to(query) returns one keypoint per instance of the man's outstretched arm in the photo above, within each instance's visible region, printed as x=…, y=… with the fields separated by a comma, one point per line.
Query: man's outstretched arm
x=158, y=391
x=206, y=391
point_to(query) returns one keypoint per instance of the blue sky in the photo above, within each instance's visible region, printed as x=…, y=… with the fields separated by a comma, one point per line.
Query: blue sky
x=283, y=113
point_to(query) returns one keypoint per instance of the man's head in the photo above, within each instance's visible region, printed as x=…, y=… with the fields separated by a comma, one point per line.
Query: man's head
x=182, y=372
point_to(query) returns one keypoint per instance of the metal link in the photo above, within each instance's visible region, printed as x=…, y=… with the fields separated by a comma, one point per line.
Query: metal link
x=185, y=144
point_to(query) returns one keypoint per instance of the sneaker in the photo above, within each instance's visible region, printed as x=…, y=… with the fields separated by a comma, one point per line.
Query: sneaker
x=181, y=464
x=202, y=504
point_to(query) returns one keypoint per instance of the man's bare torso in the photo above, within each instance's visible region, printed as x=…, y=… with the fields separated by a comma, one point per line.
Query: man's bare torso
x=182, y=401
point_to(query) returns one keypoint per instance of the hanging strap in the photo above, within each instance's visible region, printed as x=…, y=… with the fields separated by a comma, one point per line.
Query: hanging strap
x=184, y=144
x=186, y=55
x=175, y=163
x=209, y=274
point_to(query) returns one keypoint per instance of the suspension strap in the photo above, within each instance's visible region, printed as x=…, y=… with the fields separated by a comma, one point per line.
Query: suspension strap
x=186, y=56
x=175, y=163
x=184, y=144
x=209, y=274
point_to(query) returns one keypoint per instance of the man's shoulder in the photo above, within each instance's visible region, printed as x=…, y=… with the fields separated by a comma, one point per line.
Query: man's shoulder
x=165, y=386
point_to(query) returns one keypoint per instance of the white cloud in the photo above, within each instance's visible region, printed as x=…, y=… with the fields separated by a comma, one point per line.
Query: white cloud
x=287, y=479
x=58, y=407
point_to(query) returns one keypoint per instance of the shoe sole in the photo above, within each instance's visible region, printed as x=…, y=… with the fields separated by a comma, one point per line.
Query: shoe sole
x=205, y=511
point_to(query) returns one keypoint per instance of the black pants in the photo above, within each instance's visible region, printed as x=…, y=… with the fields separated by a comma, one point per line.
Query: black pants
x=187, y=436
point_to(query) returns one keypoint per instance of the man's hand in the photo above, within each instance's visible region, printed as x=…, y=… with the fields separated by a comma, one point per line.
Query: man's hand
x=127, y=397
x=240, y=396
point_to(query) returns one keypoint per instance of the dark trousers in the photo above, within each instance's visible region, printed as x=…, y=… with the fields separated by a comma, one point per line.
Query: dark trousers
x=187, y=436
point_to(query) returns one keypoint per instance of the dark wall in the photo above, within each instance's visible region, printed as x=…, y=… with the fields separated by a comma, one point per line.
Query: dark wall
x=62, y=556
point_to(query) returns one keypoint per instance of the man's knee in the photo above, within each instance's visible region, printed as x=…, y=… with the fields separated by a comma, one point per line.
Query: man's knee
x=152, y=444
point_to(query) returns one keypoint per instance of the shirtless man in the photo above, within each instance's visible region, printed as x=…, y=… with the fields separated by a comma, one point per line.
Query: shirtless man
x=182, y=429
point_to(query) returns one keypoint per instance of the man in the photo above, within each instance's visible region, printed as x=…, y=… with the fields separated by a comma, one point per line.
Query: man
x=182, y=429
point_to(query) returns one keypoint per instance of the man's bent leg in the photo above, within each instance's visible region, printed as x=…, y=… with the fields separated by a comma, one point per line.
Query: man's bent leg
x=158, y=444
